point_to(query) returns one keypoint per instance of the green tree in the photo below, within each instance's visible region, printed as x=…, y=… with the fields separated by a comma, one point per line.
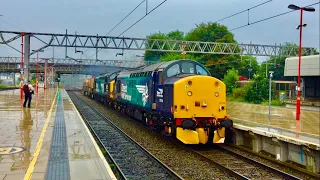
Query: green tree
x=156, y=55
x=230, y=79
x=174, y=56
x=175, y=35
x=258, y=90
x=210, y=32
x=247, y=63
x=218, y=64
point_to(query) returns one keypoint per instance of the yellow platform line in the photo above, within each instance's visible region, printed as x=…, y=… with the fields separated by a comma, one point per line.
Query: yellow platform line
x=29, y=172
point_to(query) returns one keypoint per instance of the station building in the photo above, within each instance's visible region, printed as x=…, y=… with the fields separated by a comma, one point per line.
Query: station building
x=310, y=77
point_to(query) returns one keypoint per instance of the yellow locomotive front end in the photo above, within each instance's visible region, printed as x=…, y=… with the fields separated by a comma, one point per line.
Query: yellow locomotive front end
x=199, y=108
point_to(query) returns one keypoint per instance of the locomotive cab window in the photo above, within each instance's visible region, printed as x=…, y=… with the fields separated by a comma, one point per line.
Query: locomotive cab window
x=201, y=71
x=173, y=70
x=112, y=77
x=187, y=68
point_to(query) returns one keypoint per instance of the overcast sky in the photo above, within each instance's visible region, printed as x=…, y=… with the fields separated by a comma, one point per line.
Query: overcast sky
x=99, y=16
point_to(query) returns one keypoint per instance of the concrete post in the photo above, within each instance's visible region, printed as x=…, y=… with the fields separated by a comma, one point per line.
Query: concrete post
x=238, y=137
x=256, y=142
x=311, y=159
x=26, y=56
x=14, y=79
x=45, y=72
x=282, y=151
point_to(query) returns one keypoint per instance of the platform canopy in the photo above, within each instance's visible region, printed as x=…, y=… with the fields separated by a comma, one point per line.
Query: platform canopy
x=310, y=66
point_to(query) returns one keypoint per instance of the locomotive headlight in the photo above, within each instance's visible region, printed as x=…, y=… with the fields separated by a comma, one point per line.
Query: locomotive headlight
x=189, y=93
x=216, y=94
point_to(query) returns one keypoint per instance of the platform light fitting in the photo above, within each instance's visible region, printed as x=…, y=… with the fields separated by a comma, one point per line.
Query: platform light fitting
x=294, y=7
x=304, y=25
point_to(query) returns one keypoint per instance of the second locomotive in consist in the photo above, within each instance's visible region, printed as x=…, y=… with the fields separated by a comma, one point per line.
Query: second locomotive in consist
x=178, y=97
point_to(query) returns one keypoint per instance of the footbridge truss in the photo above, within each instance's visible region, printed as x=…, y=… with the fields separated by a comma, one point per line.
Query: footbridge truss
x=70, y=66
x=131, y=43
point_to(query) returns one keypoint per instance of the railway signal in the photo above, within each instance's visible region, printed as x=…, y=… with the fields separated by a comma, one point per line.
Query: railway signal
x=58, y=78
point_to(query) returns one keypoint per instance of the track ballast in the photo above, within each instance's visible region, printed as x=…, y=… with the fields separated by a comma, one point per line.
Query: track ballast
x=130, y=159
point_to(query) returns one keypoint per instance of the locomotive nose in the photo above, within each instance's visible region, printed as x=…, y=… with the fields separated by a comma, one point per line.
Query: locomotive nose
x=199, y=104
x=199, y=96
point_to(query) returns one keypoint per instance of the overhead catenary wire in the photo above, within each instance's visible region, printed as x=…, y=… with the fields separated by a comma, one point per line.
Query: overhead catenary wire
x=142, y=17
x=5, y=22
x=271, y=17
x=166, y=0
x=119, y=23
x=244, y=11
x=147, y=13
x=125, y=17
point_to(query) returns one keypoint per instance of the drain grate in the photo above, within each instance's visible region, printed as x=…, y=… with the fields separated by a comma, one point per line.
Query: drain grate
x=58, y=165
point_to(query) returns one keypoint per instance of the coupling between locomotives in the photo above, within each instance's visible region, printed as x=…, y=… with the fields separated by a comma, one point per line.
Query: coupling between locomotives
x=179, y=97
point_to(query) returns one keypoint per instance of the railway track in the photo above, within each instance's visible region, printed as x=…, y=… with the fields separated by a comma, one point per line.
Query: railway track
x=239, y=165
x=218, y=159
x=132, y=161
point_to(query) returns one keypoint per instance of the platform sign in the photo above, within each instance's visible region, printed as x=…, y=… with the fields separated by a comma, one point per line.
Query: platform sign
x=11, y=150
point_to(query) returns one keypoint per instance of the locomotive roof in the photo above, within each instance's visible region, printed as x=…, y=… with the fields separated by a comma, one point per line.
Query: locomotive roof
x=152, y=67
x=104, y=75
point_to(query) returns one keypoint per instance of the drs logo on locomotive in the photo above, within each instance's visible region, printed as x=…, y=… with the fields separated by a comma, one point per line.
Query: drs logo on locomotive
x=160, y=94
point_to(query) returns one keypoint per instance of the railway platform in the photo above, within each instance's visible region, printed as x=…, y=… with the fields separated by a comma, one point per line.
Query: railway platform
x=47, y=141
x=281, y=136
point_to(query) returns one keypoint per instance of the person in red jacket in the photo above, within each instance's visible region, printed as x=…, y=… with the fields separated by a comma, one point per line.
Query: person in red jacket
x=28, y=91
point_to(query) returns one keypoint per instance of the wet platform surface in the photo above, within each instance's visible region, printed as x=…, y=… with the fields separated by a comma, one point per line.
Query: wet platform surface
x=84, y=160
x=26, y=136
x=21, y=127
x=282, y=121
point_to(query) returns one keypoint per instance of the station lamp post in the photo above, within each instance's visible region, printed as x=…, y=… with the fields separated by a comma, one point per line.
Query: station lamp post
x=270, y=89
x=37, y=71
x=309, y=9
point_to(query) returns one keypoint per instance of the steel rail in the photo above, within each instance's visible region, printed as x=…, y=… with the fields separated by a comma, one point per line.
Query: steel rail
x=240, y=157
x=219, y=166
x=279, y=163
x=252, y=161
x=164, y=167
x=228, y=170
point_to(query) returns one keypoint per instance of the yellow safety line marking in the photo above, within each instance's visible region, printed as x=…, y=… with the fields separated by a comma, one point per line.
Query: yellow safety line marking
x=107, y=166
x=29, y=172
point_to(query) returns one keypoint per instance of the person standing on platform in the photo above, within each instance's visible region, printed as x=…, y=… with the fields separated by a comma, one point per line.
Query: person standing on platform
x=28, y=91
